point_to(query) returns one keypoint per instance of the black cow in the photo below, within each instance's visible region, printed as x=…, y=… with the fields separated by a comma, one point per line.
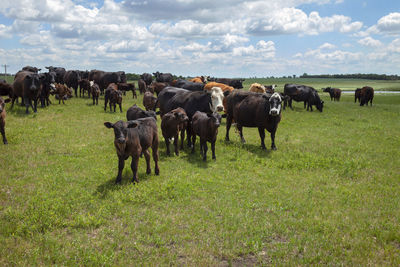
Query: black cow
x=107, y=78
x=255, y=110
x=366, y=95
x=163, y=77
x=84, y=85
x=60, y=72
x=303, y=93
x=28, y=86
x=188, y=85
x=147, y=78
x=334, y=93
x=48, y=81
x=71, y=79
x=122, y=76
x=206, y=101
x=84, y=74
x=3, y=118
x=132, y=138
x=134, y=113
x=357, y=95
x=235, y=83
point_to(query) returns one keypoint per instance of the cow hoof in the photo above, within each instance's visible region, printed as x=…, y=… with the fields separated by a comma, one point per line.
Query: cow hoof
x=148, y=171
x=157, y=172
x=273, y=148
x=5, y=142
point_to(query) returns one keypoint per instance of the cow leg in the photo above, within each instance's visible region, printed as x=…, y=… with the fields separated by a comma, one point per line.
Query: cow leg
x=147, y=157
x=176, y=144
x=261, y=132
x=273, y=147
x=12, y=102
x=35, y=101
x=134, y=167
x=290, y=103
x=27, y=103
x=105, y=104
x=203, y=144
x=228, y=126
x=120, y=107
x=213, y=150
x=240, y=128
x=189, y=133
x=182, y=137
x=193, y=141
x=121, y=164
x=305, y=103
x=167, y=144
x=3, y=133
x=93, y=101
x=154, y=149
x=97, y=100
x=76, y=91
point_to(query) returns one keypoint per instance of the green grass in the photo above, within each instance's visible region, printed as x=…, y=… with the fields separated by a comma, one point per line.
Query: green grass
x=328, y=195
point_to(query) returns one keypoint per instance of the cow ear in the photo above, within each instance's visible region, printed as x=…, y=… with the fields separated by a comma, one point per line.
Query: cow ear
x=7, y=100
x=132, y=124
x=226, y=93
x=108, y=124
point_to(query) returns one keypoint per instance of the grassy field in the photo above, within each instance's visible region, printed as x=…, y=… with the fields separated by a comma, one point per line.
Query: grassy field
x=328, y=195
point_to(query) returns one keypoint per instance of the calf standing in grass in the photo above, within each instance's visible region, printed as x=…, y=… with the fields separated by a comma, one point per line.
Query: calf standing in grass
x=3, y=118
x=84, y=85
x=95, y=91
x=172, y=123
x=206, y=126
x=149, y=100
x=131, y=139
x=114, y=96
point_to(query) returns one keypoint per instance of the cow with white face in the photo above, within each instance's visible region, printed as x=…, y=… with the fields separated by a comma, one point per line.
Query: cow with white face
x=217, y=97
x=275, y=103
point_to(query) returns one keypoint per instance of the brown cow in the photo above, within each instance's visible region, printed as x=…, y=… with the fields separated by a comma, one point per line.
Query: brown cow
x=357, y=95
x=113, y=95
x=95, y=91
x=257, y=88
x=199, y=79
x=132, y=138
x=123, y=87
x=366, y=95
x=149, y=100
x=135, y=112
x=5, y=89
x=157, y=87
x=142, y=86
x=3, y=118
x=334, y=93
x=28, y=86
x=206, y=126
x=172, y=123
x=62, y=91
x=223, y=87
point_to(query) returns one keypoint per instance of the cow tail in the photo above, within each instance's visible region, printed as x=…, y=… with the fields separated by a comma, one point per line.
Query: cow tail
x=155, y=107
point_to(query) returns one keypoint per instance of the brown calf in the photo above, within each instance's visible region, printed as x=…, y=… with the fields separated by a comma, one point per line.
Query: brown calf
x=157, y=87
x=123, y=87
x=113, y=95
x=3, y=118
x=95, y=91
x=62, y=91
x=172, y=123
x=142, y=86
x=131, y=140
x=149, y=100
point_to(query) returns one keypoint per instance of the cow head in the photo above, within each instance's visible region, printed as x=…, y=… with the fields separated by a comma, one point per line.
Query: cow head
x=237, y=84
x=3, y=103
x=214, y=121
x=33, y=81
x=319, y=103
x=275, y=104
x=121, y=132
x=217, y=98
x=180, y=115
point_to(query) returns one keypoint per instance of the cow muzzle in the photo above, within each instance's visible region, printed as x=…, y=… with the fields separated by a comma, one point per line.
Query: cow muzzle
x=220, y=108
x=274, y=112
x=120, y=140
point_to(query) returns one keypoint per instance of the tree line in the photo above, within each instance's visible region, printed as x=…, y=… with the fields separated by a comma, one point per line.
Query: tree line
x=370, y=76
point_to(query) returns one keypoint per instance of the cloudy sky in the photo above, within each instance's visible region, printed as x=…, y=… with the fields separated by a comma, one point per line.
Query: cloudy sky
x=231, y=38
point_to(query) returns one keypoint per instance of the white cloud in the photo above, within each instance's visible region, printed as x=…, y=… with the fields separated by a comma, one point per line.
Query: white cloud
x=370, y=42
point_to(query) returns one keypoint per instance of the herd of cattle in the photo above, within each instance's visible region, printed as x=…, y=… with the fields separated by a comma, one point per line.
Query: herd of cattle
x=184, y=105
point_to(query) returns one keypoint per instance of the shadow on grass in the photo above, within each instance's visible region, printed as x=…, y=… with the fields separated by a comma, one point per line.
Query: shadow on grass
x=196, y=159
x=252, y=148
x=110, y=185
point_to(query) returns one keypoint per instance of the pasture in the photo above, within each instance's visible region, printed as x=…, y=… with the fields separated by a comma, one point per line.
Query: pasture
x=328, y=195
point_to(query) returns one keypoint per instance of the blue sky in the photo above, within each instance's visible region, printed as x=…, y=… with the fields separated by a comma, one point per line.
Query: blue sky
x=232, y=38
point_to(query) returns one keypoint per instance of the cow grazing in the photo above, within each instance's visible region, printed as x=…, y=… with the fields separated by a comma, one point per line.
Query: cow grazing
x=71, y=79
x=173, y=123
x=334, y=93
x=124, y=87
x=357, y=95
x=113, y=96
x=191, y=86
x=60, y=72
x=205, y=101
x=303, y=93
x=95, y=91
x=205, y=125
x=28, y=86
x=142, y=86
x=48, y=80
x=147, y=78
x=6, y=89
x=3, y=118
x=366, y=95
x=149, y=101
x=258, y=110
x=134, y=113
x=84, y=85
x=235, y=83
x=163, y=77
x=131, y=139
x=62, y=92
x=257, y=88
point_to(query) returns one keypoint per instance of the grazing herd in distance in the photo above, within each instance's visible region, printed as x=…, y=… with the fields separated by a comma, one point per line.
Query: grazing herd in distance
x=192, y=106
